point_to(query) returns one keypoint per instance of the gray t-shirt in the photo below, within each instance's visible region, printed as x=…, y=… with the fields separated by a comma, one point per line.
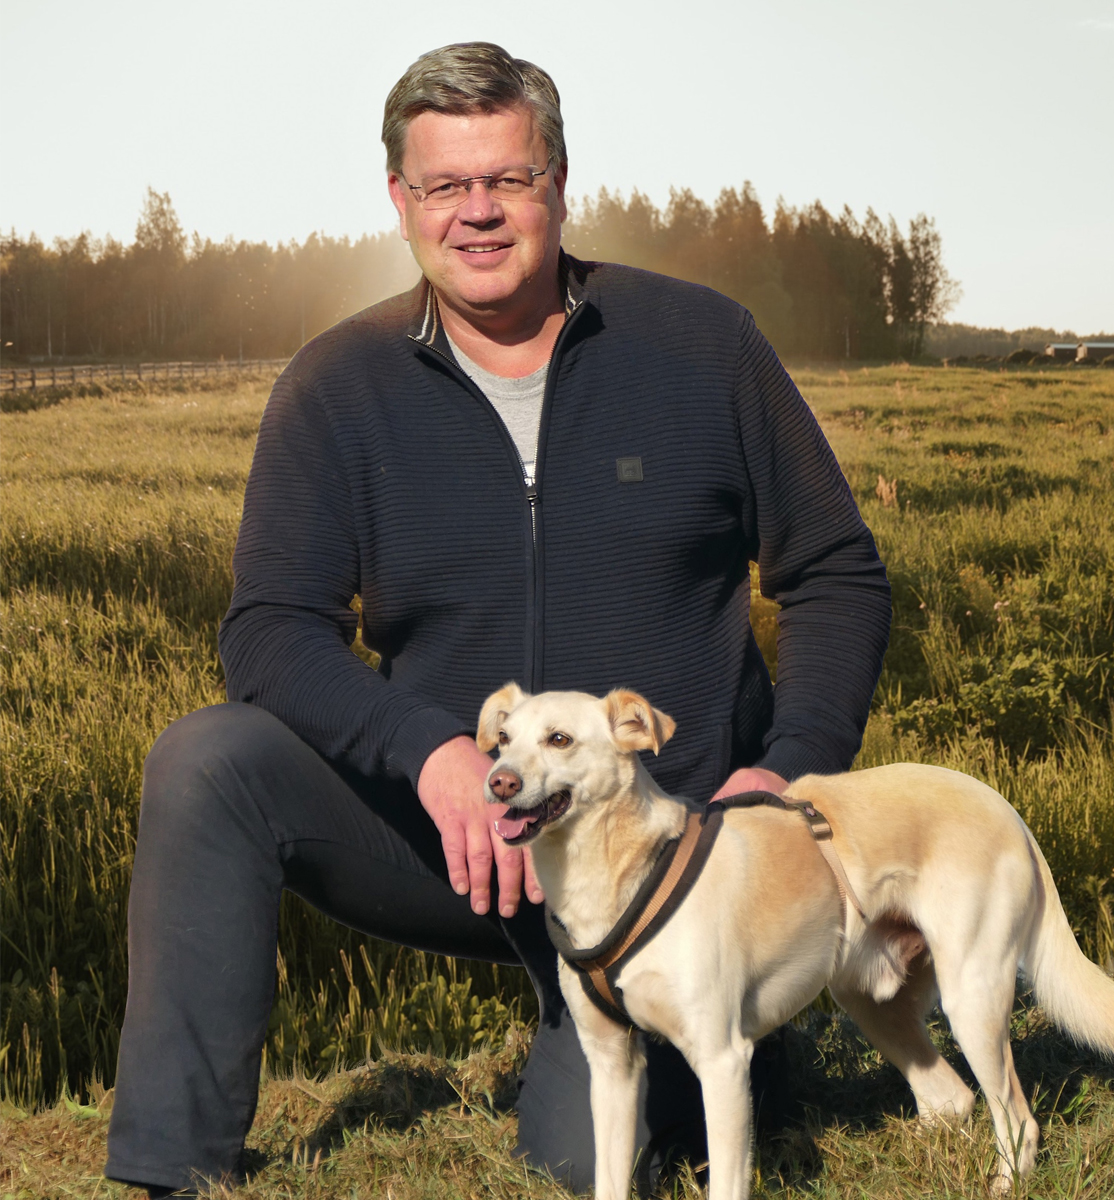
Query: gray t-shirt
x=517, y=401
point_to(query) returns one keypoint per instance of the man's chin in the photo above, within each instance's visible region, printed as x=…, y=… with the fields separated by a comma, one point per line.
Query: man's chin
x=481, y=290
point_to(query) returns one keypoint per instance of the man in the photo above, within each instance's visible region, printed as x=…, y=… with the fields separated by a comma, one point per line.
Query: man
x=528, y=468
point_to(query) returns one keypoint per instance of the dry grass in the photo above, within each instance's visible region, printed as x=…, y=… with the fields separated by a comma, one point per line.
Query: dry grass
x=119, y=516
x=413, y=1127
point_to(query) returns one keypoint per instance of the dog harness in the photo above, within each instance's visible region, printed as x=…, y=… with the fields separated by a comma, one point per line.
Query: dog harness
x=670, y=880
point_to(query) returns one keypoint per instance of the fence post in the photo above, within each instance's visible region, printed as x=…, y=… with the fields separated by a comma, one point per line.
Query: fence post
x=53, y=377
x=73, y=375
x=123, y=372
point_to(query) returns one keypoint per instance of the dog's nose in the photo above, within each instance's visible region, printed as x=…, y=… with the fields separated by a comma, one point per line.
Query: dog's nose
x=505, y=784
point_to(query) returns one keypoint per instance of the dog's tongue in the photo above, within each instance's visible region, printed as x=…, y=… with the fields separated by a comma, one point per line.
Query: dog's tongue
x=510, y=824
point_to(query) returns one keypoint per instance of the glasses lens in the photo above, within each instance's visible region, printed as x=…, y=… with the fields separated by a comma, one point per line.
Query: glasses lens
x=443, y=192
x=516, y=182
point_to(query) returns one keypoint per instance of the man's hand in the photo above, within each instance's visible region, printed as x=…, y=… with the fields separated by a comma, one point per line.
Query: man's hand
x=451, y=789
x=751, y=779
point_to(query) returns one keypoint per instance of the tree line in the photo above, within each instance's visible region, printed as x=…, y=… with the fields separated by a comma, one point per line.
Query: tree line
x=820, y=285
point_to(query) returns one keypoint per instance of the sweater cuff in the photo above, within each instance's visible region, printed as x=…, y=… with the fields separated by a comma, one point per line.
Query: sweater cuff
x=417, y=736
x=791, y=758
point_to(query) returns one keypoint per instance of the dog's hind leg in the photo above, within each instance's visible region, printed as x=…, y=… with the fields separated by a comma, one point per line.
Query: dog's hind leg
x=896, y=1027
x=977, y=997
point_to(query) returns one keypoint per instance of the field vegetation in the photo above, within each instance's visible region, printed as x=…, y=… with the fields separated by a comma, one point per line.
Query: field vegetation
x=820, y=284
x=390, y=1072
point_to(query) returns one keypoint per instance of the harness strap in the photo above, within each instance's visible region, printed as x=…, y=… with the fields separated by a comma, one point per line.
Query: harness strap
x=670, y=880
x=663, y=893
x=676, y=869
x=821, y=832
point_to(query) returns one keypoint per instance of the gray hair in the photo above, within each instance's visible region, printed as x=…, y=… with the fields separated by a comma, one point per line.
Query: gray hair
x=467, y=78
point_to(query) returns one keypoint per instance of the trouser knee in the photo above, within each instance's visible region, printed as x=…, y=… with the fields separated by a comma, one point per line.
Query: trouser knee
x=202, y=779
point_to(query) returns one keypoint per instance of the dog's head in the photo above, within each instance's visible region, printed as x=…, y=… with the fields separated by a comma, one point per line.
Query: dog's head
x=560, y=751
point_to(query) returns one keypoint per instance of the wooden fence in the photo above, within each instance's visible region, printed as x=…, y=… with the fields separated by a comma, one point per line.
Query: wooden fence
x=18, y=379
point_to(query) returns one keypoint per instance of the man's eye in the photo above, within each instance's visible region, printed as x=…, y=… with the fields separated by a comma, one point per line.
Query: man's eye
x=503, y=739
x=560, y=740
x=510, y=184
x=442, y=187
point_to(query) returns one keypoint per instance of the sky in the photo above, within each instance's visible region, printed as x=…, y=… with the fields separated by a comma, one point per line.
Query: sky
x=261, y=119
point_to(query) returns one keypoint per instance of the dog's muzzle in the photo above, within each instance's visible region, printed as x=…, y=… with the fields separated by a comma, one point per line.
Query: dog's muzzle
x=519, y=825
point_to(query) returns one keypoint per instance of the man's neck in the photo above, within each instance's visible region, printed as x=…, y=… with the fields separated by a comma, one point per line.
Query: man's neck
x=512, y=343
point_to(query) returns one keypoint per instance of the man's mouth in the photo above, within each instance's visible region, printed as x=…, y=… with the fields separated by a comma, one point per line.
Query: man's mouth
x=484, y=249
x=519, y=825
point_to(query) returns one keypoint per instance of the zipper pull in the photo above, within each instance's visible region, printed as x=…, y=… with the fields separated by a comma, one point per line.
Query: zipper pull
x=532, y=494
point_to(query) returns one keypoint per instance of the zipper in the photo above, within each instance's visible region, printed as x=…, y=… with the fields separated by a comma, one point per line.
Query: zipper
x=533, y=640
x=536, y=658
x=532, y=500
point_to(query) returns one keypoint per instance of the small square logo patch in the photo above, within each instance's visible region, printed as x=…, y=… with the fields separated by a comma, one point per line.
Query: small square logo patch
x=629, y=470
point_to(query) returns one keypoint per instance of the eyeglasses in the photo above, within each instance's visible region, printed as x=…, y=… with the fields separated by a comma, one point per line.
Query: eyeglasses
x=450, y=191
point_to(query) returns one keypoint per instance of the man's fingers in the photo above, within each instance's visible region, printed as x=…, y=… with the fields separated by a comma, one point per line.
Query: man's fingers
x=479, y=865
x=533, y=888
x=454, y=844
x=508, y=864
x=751, y=779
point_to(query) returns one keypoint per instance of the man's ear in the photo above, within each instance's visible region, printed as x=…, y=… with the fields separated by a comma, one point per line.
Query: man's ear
x=494, y=713
x=560, y=179
x=398, y=192
x=635, y=723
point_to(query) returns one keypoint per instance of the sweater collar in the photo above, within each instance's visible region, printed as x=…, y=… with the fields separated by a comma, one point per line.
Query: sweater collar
x=427, y=330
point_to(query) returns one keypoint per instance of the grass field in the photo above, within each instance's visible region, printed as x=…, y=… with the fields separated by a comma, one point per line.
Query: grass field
x=990, y=495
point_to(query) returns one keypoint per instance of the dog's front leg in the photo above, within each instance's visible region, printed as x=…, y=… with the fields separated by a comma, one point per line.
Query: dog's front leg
x=725, y=1082
x=616, y=1063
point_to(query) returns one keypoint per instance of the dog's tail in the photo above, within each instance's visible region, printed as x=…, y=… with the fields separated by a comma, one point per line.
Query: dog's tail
x=1076, y=994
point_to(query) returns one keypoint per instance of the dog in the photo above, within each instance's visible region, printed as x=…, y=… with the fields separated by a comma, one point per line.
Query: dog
x=956, y=899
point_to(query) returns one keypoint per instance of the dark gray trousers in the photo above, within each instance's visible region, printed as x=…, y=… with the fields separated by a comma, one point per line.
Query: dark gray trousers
x=235, y=809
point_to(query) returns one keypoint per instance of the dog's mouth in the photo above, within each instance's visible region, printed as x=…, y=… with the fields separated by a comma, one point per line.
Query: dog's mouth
x=519, y=825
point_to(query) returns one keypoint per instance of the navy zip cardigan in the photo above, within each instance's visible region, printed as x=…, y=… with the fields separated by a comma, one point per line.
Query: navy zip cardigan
x=673, y=450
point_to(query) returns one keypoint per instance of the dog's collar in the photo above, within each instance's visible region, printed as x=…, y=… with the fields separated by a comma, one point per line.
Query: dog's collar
x=676, y=869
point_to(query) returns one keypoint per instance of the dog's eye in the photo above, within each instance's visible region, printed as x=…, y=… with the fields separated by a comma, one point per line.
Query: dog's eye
x=503, y=739
x=560, y=740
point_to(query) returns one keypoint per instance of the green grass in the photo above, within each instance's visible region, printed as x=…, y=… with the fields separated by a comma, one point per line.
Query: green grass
x=119, y=517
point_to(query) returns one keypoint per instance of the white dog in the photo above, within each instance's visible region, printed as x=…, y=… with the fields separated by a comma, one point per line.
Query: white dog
x=956, y=898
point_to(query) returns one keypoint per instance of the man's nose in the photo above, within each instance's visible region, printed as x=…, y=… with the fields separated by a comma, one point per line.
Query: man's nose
x=505, y=784
x=480, y=206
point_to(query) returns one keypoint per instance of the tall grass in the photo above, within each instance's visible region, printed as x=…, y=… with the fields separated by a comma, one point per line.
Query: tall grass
x=119, y=518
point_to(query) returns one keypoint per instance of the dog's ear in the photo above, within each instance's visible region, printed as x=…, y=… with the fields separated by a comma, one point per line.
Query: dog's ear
x=494, y=712
x=635, y=723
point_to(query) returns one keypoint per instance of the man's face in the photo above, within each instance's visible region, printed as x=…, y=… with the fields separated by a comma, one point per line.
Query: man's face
x=487, y=254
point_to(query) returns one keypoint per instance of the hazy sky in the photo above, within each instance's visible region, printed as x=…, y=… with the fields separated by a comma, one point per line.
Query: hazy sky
x=261, y=118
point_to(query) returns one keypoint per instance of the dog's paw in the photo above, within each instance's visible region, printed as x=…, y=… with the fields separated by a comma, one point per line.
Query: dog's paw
x=1001, y=1184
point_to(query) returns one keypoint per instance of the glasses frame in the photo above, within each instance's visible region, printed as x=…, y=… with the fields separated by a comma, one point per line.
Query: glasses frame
x=488, y=180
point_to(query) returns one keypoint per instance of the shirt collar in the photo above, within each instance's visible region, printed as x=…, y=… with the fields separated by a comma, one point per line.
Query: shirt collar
x=426, y=328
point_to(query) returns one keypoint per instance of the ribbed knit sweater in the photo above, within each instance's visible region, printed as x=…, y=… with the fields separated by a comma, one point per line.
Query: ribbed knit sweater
x=674, y=449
